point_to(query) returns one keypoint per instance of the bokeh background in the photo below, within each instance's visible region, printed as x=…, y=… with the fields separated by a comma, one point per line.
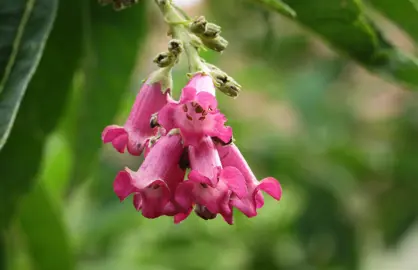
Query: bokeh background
x=342, y=142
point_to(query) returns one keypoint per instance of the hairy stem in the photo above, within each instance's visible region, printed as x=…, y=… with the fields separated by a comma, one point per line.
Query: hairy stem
x=179, y=30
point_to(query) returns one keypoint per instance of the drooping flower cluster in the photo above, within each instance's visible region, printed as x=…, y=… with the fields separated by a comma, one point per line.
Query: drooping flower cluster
x=179, y=136
x=190, y=160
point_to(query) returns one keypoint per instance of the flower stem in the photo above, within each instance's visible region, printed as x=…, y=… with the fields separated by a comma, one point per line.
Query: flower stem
x=179, y=30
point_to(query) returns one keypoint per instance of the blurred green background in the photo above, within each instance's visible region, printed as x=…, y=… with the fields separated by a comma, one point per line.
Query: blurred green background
x=342, y=142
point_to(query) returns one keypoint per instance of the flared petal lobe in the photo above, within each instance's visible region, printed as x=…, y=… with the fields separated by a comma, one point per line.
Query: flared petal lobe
x=196, y=114
x=136, y=131
x=231, y=156
x=205, y=162
x=155, y=183
x=209, y=185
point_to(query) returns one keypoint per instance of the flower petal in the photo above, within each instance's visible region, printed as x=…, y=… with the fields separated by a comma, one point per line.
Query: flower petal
x=112, y=132
x=215, y=127
x=116, y=135
x=166, y=116
x=137, y=201
x=188, y=94
x=122, y=185
x=154, y=199
x=234, y=180
x=196, y=176
x=191, y=138
x=202, y=83
x=206, y=101
x=119, y=143
x=204, y=159
x=137, y=130
x=182, y=216
x=184, y=195
x=246, y=205
x=259, y=199
x=228, y=218
x=135, y=147
x=271, y=186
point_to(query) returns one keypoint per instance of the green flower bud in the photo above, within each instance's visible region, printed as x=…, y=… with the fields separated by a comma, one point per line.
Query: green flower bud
x=175, y=46
x=231, y=89
x=164, y=59
x=217, y=44
x=198, y=26
x=212, y=30
x=224, y=83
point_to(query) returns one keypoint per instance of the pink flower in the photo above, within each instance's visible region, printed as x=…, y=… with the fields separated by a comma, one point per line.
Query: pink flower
x=196, y=114
x=156, y=181
x=209, y=184
x=231, y=156
x=137, y=130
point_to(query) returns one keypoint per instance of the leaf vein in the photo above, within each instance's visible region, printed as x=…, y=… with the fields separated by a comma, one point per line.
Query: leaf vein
x=17, y=42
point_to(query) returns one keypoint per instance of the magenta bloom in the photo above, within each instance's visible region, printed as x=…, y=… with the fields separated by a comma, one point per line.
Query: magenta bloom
x=231, y=156
x=209, y=184
x=137, y=130
x=155, y=183
x=196, y=114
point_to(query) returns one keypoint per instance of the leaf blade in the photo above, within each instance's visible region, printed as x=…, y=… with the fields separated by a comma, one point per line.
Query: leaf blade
x=279, y=6
x=45, y=232
x=345, y=26
x=41, y=108
x=404, y=14
x=21, y=52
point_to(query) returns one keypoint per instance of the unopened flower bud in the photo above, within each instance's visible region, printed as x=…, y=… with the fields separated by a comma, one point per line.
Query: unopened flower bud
x=195, y=41
x=224, y=83
x=212, y=30
x=198, y=26
x=164, y=59
x=220, y=78
x=175, y=46
x=217, y=44
x=231, y=89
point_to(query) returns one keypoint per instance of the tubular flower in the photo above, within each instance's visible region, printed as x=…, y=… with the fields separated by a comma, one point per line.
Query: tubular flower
x=137, y=130
x=196, y=114
x=231, y=156
x=209, y=185
x=155, y=183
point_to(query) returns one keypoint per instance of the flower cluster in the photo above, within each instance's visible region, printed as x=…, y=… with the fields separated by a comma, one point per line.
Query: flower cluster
x=179, y=136
x=190, y=160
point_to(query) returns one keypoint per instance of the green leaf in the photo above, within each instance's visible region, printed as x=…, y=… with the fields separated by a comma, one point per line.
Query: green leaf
x=114, y=41
x=331, y=232
x=24, y=28
x=310, y=99
x=44, y=230
x=41, y=107
x=344, y=25
x=57, y=166
x=404, y=13
x=3, y=251
x=279, y=6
